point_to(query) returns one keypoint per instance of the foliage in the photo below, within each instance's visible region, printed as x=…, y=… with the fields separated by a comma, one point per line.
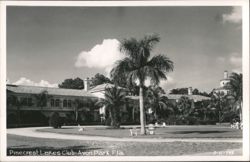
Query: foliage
x=99, y=79
x=185, y=107
x=55, y=120
x=184, y=91
x=235, y=85
x=221, y=104
x=138, y=66
x=158, y=102
x=42, y=98
x=114, y=99
x=76, y=83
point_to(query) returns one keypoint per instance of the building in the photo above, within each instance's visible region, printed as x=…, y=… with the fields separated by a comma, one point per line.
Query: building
x=224, y=87
x=32, y=105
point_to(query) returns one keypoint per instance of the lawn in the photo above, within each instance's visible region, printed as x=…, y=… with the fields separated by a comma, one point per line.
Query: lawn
x=20, y=145
x=208, y=131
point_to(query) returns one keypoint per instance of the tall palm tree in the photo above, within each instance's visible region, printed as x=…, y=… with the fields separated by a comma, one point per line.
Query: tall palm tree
x=114, y=99
x=138, y=66
x=157, y=101
x=236, y=87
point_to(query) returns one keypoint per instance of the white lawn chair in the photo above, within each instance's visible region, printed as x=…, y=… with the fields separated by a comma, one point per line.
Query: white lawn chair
x=151, y=129
x=80, y=128
x=133, y=132
x=163, y=124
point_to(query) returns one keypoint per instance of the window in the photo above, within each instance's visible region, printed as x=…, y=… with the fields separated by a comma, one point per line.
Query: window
x=57, y=103
x=52, y=102
x=64, y=103
x=69, y=103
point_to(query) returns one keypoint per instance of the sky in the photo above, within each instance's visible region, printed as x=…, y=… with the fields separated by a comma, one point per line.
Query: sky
x=46, y=45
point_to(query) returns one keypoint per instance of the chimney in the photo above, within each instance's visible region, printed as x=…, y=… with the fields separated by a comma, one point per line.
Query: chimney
x=86, y=84
x=225, y=74
x=190, y=91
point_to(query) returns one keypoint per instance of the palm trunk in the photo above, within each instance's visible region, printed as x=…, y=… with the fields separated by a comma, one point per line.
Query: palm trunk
x=240, y=114
x=142, y=112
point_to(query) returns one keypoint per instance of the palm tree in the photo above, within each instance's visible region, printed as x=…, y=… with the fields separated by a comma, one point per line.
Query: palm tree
x=114, y=99
x=236, y=88
x=138, y=66
x=221, y=104
x=185, y=107
x=42, y=99
x=157, y=101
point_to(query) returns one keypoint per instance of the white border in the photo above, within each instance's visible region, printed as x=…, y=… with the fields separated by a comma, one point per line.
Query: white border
x=245, y=54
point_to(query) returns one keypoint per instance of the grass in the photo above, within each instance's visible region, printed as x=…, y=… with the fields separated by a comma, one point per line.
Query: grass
x=168, y=132
x=21, y=145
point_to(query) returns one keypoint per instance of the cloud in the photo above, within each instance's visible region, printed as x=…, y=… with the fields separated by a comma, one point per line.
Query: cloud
x=102, y=56
x=168, y=84
x=42, y=83
x=234, y=17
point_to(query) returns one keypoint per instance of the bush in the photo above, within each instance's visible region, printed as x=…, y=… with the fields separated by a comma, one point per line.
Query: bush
x=55, y=120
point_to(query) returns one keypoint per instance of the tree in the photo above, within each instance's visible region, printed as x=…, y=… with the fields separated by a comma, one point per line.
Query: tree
x=138, y=66
x=99, y=79
x=221, y=104
x=76, y=83
x=236, y=87
x=179, y=91
x=156, y=100
x=42, y=99
x=114, y=99
x=185, y=107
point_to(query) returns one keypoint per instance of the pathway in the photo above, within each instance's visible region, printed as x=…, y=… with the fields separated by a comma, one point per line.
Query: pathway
x=31, y=132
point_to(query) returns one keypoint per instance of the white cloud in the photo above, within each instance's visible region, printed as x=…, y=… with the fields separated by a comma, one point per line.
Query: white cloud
x=42, y=83
x=102, y=56
x=220, y=59
x=234, y=17
x=168, y=84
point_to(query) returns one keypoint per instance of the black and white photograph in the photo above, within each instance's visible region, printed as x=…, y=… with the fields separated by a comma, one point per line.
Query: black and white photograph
x=124, y=80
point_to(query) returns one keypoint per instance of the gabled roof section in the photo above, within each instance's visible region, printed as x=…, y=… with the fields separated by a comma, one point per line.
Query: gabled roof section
x=51, y=91
x=102, y=87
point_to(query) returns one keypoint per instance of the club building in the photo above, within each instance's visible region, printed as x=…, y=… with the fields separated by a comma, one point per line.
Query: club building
x=24, y=102
x=24, y=106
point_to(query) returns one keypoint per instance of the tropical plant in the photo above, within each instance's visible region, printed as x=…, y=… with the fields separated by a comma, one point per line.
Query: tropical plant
x=138, y=66
x=220, y=103
x=114, y=99
x=42, y=99
x=77, y=104
x=235, y=85
x=185, y=107
x=157, y=101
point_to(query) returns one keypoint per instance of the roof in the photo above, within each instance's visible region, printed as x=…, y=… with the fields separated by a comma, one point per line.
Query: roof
x=177, y=96
x=102, y=87
x=192, y=97
x=51, y=91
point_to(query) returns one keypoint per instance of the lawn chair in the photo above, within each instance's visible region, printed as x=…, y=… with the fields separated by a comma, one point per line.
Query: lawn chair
x=80, y=128
x=163, y=124
x=151, y=129
x=133, y=132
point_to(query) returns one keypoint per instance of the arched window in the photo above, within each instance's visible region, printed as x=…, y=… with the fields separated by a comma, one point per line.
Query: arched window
x=52, y=102
x=64, y=103
x=69, y=103
x=57, y=102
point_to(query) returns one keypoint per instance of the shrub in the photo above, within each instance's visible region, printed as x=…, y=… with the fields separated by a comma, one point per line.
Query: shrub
x=55, y=120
